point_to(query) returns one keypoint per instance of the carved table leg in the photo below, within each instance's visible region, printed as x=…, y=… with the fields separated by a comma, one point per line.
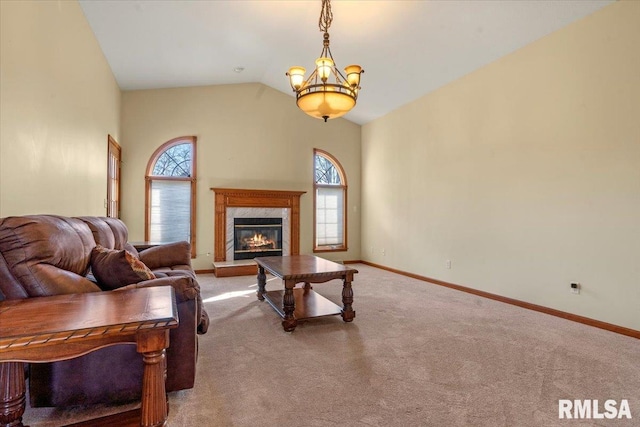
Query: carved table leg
x=307, y=287
x=262, y=281
x=12, y=394
x=289, y=305
x=154, y=397
x=348, y=314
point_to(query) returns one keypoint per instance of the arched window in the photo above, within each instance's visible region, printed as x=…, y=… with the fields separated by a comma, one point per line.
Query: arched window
x=170, y=207
x=330, y=204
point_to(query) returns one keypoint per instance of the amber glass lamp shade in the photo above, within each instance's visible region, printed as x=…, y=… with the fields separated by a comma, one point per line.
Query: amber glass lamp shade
x=328, y=103
x=323, y=68
x=353, y=75
x=296, y=77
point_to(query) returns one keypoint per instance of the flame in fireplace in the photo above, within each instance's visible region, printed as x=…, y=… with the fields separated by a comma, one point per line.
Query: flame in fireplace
x=259, y=242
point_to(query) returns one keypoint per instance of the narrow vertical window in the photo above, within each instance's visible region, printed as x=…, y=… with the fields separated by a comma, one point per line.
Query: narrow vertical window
x=113, y=177
x=330, y=203
x=171, y=193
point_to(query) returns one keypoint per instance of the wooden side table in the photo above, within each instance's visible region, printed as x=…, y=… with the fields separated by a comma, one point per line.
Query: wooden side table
x=49, y=329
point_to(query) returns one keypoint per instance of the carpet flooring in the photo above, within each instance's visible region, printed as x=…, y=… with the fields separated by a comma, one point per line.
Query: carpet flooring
x=416, y=354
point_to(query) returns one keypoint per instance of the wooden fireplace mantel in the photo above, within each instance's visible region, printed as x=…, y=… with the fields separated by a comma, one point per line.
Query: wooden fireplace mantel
x=242, y=198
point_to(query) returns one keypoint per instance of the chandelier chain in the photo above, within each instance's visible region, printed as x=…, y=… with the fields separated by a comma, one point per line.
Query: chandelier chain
x=326, y=16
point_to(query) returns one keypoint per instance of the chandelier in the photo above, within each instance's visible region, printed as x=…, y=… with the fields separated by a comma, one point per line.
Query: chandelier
x=326, y=94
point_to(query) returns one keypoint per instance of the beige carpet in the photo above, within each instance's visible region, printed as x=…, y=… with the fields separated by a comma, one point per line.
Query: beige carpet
x=416, y=355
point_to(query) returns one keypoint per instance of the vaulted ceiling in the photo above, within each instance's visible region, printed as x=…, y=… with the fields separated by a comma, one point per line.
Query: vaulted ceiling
x=407, y=48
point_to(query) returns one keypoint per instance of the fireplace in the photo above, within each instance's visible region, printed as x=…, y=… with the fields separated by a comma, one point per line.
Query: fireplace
x=232, y=203
x=255, y=237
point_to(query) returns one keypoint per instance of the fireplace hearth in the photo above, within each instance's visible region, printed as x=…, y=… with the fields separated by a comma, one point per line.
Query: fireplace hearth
x=255, y=237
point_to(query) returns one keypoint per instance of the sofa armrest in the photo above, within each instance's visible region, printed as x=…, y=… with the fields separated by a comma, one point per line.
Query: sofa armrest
x=168, y=255
x=186, y=289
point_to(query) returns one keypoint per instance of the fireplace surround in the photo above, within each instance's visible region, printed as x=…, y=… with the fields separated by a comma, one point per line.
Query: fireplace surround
x=231, y=203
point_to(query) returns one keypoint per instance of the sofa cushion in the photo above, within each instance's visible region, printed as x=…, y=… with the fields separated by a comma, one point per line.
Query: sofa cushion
x=44, y=255
x=116, y=268
x=167, y=255
x=108, y=232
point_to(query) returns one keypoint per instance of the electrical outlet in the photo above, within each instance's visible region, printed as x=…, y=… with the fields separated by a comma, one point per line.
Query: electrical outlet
x=448, y=263
x=384, y=252
x=575, y=288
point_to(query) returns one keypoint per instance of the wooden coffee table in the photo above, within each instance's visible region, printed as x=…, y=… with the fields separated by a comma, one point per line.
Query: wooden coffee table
x=303, y=303
x=49, y=329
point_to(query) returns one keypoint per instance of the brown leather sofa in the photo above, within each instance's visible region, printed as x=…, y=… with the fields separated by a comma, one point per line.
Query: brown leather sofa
x=42, y=255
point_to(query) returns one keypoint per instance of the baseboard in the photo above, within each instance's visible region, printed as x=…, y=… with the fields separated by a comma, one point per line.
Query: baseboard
x=552, y=311
x=210, y=271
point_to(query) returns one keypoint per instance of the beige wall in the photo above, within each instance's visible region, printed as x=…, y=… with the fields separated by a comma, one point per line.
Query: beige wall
x=58, y=102
x=249, y=136
x=525, y=174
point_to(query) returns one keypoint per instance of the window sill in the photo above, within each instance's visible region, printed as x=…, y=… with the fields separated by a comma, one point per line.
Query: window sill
x=330, y=249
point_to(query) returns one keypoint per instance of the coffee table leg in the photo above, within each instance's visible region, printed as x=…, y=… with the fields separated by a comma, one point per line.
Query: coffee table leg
x=289, y=305
x=12, y=394
x=262, y=282
x=348, y=314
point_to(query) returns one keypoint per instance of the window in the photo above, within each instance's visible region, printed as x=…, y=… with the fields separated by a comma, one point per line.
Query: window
x=171, y=193
x=113, y=178
x=330, y=204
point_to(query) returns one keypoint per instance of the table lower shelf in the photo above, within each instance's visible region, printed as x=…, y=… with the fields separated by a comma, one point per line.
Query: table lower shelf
x=124, y=419
x=309, y=304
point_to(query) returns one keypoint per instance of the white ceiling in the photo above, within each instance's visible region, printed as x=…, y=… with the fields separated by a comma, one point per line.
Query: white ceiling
x=407, y=48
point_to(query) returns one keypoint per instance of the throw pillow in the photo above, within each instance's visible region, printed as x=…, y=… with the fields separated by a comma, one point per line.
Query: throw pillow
x=114, y=268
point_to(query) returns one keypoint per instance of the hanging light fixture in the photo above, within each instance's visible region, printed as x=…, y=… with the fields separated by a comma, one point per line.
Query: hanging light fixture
x=327, y=93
